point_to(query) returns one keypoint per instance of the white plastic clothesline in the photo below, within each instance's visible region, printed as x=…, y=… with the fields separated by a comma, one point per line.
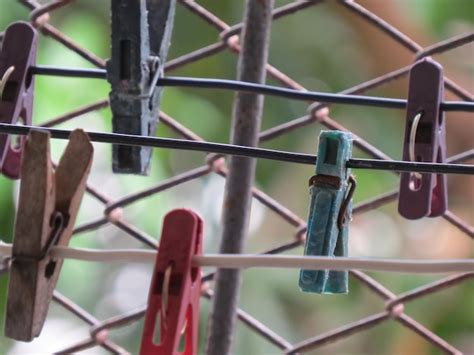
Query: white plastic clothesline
x=242, y=261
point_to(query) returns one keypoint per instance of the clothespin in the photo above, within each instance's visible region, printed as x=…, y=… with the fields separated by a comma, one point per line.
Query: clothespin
x=425, y=141
x=47, y=209
x=18, y=53
x=141, y=34
x=173, y=300
x=331, y=191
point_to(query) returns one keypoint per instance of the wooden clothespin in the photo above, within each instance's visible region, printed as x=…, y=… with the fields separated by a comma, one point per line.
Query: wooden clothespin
x=424, y=195
x=331, y=191
x=173, y=300
x=141, y=34
x=47, y=209
x=18, y=53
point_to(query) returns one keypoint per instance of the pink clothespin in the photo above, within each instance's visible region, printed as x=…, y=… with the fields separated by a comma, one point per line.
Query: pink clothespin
x=425, y=141
x=18, y=53
x=173, y=300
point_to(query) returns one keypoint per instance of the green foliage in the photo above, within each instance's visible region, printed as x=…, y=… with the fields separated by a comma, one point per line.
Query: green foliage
x=441, y=14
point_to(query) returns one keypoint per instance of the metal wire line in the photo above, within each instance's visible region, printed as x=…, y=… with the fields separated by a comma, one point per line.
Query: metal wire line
x=316, y=116
x=257, y=88
x=157, y=142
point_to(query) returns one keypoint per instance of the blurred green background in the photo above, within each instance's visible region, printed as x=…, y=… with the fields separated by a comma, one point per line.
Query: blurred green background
x=324, y=48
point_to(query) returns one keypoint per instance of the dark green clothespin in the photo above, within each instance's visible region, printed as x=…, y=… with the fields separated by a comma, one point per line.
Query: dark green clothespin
x=141, y=34
x=331, y=191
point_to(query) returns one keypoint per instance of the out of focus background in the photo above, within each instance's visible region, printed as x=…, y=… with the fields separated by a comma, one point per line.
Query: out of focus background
x=324, y=48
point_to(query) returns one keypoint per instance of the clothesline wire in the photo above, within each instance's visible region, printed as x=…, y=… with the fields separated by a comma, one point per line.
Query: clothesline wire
x=233, y=261
x=256, y=88
x=221, y=148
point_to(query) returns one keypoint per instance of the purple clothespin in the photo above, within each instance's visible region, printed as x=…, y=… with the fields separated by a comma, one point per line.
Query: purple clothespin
x=424, y=195
x=18, y=53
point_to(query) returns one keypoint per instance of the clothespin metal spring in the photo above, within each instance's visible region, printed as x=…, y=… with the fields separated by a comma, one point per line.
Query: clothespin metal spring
x=164, y=299
x=166, y=290
x=332, y=181
x=343, y=212
x=4, y=81
x=57, y=224
x=414, y=128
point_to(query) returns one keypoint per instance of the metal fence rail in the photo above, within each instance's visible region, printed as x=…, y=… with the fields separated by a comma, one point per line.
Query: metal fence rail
x=214, y=164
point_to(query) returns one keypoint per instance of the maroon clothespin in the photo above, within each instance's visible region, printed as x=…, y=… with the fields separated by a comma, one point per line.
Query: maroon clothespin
x=425, y=141
x=47, y=209
x=173, y=300
x=17, y=55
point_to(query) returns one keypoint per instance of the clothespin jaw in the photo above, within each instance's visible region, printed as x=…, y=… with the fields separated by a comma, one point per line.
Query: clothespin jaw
x=141, y=34
x=173, y=300
x=424, y=195
x=48, y=205
x=18, y=53
x=330, y=212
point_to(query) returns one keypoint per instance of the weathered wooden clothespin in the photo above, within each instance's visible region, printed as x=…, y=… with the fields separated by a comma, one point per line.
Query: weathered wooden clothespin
x=18, y=53
x=141, y=34
x=47, y=209
x=173, y=300
x=425, y=141
x=331, y=191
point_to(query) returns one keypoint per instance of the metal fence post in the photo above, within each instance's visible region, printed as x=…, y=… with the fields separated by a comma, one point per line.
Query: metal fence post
x=246, y=119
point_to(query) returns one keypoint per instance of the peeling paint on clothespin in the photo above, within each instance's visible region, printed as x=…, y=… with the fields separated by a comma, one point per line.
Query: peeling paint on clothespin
x=18, y=53
x=173, y=301
x=141, y=34
x=331, y=191
x=425, y=141
x=47, y=209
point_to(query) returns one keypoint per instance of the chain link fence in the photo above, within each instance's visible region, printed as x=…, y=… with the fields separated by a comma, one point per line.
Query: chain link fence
x=228, y=40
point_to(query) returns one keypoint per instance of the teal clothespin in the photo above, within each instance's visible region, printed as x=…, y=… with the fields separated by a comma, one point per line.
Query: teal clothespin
x=330, y=212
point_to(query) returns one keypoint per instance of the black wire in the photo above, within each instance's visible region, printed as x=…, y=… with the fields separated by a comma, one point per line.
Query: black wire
x=257, y=88
x=208, y=147
x=68, y=72
x=283, y=92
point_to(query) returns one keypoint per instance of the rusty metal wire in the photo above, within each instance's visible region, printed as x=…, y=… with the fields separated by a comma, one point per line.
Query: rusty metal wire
x=228, y=39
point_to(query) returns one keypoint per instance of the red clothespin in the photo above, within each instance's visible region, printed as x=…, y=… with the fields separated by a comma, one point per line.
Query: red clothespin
x=173, y=300
x=17, y=55
x=425, y=141
x=47, y=209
